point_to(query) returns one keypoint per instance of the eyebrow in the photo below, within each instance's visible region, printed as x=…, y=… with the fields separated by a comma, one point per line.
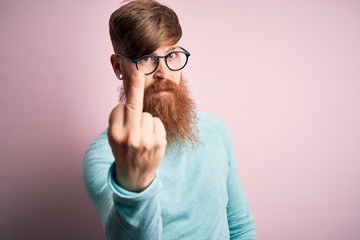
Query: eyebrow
x=169, y=49
x=173, y=48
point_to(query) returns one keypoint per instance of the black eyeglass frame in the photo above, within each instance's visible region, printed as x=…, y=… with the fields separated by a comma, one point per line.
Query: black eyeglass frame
x=187, y=54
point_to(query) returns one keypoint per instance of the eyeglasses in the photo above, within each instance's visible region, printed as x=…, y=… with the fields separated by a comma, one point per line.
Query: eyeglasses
x=175, y=61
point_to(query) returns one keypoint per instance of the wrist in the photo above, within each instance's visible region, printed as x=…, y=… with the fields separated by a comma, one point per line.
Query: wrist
x=132, y=183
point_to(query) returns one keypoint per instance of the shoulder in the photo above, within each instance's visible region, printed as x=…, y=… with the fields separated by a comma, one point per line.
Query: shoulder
x=215, y=137
x=100, y=146
x=212, y=127
x=209, y=122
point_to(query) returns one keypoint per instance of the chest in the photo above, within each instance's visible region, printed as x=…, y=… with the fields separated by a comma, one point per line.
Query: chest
x=194, y=187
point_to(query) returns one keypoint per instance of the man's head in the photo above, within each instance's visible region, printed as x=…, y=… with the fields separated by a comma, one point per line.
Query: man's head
x=146, y=27
x=140, y=27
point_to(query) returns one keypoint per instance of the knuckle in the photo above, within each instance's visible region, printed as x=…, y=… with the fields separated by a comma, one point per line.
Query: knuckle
x=159, y=127
x=117, y=111
x=146, y=116
x=133, y=106
x=115, y=136
x=133, y=142
x=156, y=119
x=160, y=141
x=158, y=122
x=147, y=145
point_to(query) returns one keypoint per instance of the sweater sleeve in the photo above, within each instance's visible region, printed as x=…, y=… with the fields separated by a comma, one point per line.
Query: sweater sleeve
x=241, y=223
x=124, y=215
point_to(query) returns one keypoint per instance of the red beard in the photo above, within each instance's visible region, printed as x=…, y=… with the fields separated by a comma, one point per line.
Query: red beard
x=176, y=109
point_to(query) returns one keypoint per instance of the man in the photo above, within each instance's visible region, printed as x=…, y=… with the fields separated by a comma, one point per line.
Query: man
x=161, y=170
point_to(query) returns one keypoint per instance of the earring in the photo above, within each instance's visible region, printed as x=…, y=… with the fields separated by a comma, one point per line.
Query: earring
x=120, y=76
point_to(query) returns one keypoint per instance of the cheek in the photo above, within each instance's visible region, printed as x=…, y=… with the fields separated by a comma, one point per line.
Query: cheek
x=176, y=77
x=148, y=81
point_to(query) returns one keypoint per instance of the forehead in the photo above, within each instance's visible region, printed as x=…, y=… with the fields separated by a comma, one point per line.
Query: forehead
x=166, y=48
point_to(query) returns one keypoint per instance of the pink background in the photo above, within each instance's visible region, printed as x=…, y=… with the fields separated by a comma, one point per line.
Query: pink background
x=283, y=75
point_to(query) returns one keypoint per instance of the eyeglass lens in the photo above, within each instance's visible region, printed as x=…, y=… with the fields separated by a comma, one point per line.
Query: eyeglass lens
x=174, y=61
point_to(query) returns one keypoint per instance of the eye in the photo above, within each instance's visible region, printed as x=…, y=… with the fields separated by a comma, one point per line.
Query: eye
x=146, y=59
x=172, y=55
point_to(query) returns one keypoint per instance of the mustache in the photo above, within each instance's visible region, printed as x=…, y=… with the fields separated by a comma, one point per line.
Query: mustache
x=162, y=85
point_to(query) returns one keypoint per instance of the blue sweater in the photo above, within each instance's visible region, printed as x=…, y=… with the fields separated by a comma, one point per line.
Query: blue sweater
x=196, y=193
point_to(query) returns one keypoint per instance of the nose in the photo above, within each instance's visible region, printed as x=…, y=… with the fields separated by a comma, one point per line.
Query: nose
x=162, y=70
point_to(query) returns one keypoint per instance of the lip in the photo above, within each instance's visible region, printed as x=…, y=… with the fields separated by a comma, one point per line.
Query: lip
x=163, y=92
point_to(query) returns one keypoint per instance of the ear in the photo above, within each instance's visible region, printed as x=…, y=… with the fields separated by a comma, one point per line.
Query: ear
x=116, y=64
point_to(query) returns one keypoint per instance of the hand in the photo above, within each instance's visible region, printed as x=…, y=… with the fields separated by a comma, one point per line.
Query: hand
x=137, y=139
